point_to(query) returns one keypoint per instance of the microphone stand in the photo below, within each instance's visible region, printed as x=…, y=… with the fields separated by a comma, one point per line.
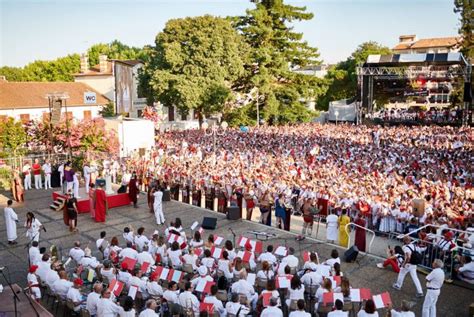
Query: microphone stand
x=15, y=296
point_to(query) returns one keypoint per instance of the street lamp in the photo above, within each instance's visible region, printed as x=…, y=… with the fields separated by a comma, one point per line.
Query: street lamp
x=214, y=131
x=336, y=113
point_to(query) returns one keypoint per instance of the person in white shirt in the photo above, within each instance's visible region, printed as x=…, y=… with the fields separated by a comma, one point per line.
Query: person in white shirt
x=145, y=256
x=434, y=282
x=152, y=287
x=300, y=312
x=27, y=173
x=405, y=310
x=61, y=287
x=296, y=290
x=128, y=235
x=338, y=311
x=225, y=266
x=75, y=296
x=93, y=299
x=158, y=206
x=61, y=174
x=47, y=174
x=87, y=171
x=272, y=310
x=334, y=258
x=331, y=227
x=188, y=300
x=171, y=294
x=33, y=283
x=43, y=267
x=77, y=253
x=33, y=227
x=268, y=256
x=11, y=219
x=203, y=275
x=369, y=310
x=466, y=271
x=105, y=306
x=266, y=273
x=34, y=254
x=191, y=258
x=128, y=252
x=124, y=276
x=89, y=261
x=107, y=270
x=174, y=254
x=291, y=260
x=140, y=239
x=51, y=278
x=312, y=277
x=101, y=243
x=150, y=309
x=408, y=248
x=244, y=287
x=212, y=299
x=234, y=307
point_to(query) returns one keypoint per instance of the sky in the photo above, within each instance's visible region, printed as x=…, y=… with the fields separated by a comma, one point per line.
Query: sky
x=46, y=29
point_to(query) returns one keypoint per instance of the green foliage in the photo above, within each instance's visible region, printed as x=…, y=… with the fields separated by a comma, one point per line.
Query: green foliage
x=465, y=9
x=12, y=73
x=276, y=51
x=194, y=63
x=13, y=137
x=108, y=110
x=342, y=78
x=113, y=50
x=6, y=177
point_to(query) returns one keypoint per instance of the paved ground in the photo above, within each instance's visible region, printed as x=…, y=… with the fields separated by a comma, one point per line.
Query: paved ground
x=454, y=301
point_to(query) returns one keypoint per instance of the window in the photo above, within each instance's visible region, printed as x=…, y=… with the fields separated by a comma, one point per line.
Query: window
x=3, y=118
x=25, y=117
x=69, y=115
x=87, y=115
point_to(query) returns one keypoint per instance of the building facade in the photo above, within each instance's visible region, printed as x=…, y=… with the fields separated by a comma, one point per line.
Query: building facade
x=28, y=100
x=100, y=77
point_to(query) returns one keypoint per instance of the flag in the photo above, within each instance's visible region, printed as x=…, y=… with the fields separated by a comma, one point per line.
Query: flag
x=175, y=275
x=306, y=255
x=144, y=267
x=207, y=307
x=281, y=251
x=164, y=274
x=331, y=297
x=266, y=299
x=382, y=300
x=257, y=246
x=244, y=255
x=198, y=251
x=360, y=294
x=335, y=280
x=204, y=286
x=130, y=263
x=218, y=240
x=216, y=252
x=172, y=237
x=283, y=282
x=116, y=287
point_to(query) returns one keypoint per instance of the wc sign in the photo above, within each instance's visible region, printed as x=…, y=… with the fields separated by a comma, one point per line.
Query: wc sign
x=89, y=98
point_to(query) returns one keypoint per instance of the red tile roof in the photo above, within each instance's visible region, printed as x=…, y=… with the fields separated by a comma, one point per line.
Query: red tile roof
x=431, y=42
x=21, y=95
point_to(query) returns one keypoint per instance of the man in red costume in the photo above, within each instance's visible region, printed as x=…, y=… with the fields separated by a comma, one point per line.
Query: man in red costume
x=100, y=204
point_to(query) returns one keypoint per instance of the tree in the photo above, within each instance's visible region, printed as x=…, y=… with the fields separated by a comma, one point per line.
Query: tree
x=276, y=51
x=12, y=137
x=108, y=110
x=113, y=50
x=193, y=65
x=465, y=9
x=342, y=78
x=12, y=73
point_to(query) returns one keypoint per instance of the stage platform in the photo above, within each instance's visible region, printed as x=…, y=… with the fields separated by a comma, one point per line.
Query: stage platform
x=83, y=204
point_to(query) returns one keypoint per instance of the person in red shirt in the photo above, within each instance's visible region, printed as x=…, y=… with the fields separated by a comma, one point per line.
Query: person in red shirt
x=37, y=173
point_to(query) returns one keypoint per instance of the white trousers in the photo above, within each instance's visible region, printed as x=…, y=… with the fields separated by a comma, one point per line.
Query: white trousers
x=76, y=189
x=87, y=180
x=429, y=305
x=38, y=184
x=47, y=181
x=69, y=186
x=409, y=268
x=160, y=217
x=27, y=182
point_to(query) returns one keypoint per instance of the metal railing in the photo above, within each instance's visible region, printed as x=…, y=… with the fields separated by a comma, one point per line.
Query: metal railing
x=361, y=227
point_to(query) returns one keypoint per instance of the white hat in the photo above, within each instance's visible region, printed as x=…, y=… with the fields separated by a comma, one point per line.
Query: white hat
x=202, y=270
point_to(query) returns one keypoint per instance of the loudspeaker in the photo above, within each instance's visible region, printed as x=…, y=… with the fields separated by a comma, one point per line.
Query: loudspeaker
x=418, y=207
x=209, y=223
x=467, y=92
x=233, y=213
x=166, y=195
x=351, y=254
